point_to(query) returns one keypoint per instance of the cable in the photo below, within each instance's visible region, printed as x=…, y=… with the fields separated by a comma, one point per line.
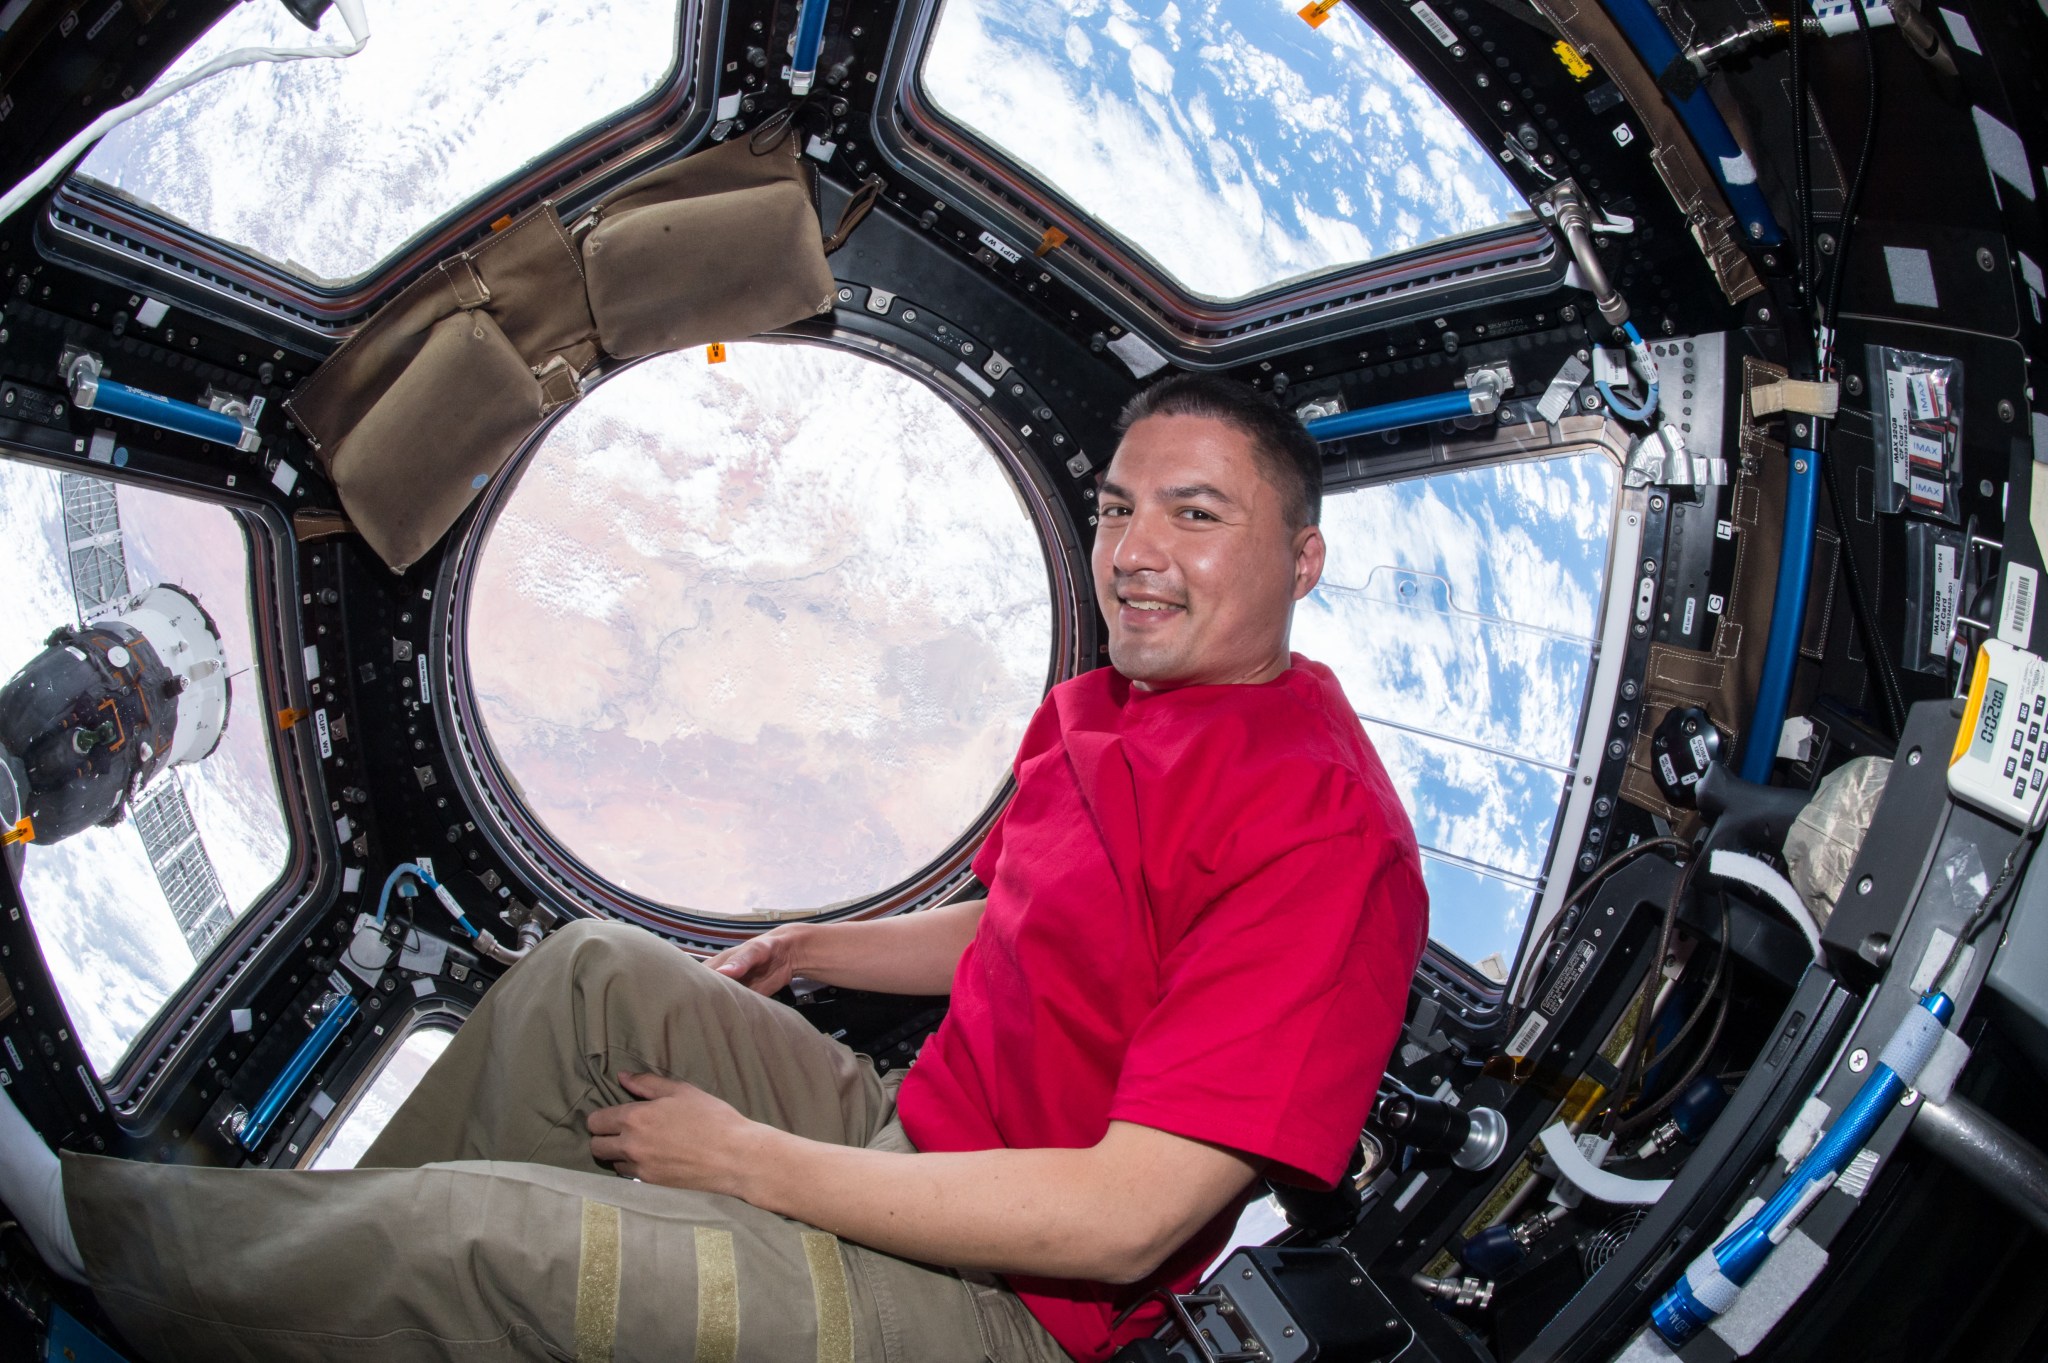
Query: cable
x=1646, y=365
x=1639, y=1120
x=1593, y=879
x=1802, y=190
x=1876, y=650
x=1638, y=1042
x=44, y=175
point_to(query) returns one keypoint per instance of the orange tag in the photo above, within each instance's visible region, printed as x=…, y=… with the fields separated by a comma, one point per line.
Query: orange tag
x=1051, y=241
x=24, y=831
x=287, y=718
x=502, y=223
x=1316, y=11
x=715, y=353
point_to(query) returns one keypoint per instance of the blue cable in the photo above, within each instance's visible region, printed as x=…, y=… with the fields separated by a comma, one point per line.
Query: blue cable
x=1624, y=409
x=419, y=873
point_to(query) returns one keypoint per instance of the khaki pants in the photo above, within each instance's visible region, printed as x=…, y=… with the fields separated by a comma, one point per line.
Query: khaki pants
x=478, y=1227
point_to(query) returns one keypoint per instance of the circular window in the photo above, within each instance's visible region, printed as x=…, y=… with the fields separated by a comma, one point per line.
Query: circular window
x=755, y=639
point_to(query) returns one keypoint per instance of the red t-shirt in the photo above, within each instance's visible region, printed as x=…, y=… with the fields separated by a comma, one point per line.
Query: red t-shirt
x=1204, y=909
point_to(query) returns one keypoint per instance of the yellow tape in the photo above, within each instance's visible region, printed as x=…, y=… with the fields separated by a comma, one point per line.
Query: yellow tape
x=1972, y=707
x=828, y=1287
x=1576, y=65
x=597, y=1284
x=718, y=1297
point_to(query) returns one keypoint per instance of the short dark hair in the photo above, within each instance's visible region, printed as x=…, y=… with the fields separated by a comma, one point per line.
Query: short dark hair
x=1288, y=455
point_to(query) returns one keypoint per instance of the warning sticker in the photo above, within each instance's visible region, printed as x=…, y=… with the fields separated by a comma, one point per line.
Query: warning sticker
x=1579, y=67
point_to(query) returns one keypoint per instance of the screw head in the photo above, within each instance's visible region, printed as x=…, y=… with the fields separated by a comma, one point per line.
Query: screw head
x=1985, y=260
x=1859, y=1060
x=1763, y=314
x=2006, y=411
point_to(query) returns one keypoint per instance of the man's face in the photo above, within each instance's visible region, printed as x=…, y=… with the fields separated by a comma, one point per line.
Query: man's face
x=1196, y=569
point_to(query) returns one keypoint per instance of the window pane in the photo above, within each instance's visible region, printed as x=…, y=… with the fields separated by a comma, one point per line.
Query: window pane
x=369, y=150
x=1230, y=142
x=1460, y=610
x=123, y=913
x=392, y=1086
x=759, y=636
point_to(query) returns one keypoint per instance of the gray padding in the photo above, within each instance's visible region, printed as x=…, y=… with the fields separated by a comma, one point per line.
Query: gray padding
x=1771, y=1292
x=1938, y=1075
x=1647, y=1347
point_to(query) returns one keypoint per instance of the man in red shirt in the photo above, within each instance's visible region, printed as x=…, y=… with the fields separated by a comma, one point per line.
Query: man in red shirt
x=1204, y=905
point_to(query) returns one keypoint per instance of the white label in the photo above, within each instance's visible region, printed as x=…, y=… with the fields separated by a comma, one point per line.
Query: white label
x=151, y=312
x=1714, y=603
x=92, y=1089
x=320, y=732
x=1685, y=626
x=285, y=477
x=1724, y=530
x=1610, y=366
x=1948, y=581
x=1900, y=432
x=1930, y=492
x=1442, y=31
x=1526, y=1035
x=312, y=657
x=1926, y=449
x=1923, y=396
x=2016, y=615
x=1001, y=247
x=426, y=693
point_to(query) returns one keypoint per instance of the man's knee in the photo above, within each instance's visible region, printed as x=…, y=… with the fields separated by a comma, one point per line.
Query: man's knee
x=594, y=949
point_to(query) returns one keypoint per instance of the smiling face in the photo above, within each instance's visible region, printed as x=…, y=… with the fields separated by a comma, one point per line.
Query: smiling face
x=1196, y=568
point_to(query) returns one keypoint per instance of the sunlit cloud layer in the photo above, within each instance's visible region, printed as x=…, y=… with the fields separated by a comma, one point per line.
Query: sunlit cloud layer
x=1464, y=605
x=326, y=167
x=1232, y=143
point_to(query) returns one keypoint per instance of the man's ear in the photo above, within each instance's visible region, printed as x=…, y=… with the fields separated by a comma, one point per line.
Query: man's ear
x=1309, y=551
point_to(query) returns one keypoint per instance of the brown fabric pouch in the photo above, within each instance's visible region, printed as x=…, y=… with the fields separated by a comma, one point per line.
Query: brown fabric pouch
x=437, y=390
x=721, y=245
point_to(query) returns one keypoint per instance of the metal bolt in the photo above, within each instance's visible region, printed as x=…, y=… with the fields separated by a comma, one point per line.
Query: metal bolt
x=1656, y=503
x=2005, y=409
x=1763, y=314
x=846, y=295
x=1756, y=230
x=1864, y=885
x=1617, y=749
x=1586, y=862
x=1985, y=260
x=1913, y=758
x=1854, y=383
x=1911, y=1097
x=1825, y=242
x=1859, y=1060
x=1603, y=806
x=1799, y=466
x=1799, y=429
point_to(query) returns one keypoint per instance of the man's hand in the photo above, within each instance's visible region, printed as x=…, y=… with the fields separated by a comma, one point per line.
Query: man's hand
x=678, y=1135
x=763, y=964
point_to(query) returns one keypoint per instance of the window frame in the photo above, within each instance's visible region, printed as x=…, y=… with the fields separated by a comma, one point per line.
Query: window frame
x=436, y=1015
x=524, y=841
x=164, y=1055
x=1444, y=975
x=122, y=240
x=949, y=161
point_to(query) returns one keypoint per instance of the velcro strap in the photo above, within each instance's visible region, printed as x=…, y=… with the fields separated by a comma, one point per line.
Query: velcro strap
x=597, y=1284
x=828, y=1290
x=1805, y=396
x=718, y=1297
x=467, y=285
x=857, y=208
x=558, y=384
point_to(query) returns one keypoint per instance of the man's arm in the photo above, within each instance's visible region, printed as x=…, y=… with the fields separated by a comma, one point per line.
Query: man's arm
x=1110, y=1213
x=911, y=953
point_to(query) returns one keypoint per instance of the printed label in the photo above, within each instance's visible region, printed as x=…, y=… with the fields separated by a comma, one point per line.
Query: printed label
x=1926, y=449
x=1437, y=27
x=1574, y=967
x=1923, y=396
x=1899, y=431
x=1685, y=626
x=320, y=732
x=1948, y=581
x=1928, y=492
x=1001, y=247
x=2016, y=615
x=426, y=691
x=1526, y=1035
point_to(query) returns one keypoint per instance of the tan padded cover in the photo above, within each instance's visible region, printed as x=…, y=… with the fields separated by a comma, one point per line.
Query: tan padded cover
x=717, y=247
x=439, y=387
x=415, y=414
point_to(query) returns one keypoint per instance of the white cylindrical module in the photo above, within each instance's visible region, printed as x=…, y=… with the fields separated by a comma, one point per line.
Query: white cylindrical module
x=186, y=643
